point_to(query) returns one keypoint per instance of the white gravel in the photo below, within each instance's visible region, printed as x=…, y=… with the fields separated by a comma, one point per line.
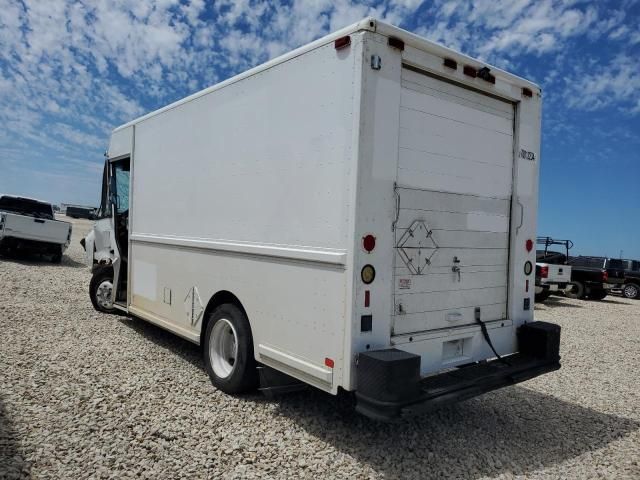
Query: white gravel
x=89, y=395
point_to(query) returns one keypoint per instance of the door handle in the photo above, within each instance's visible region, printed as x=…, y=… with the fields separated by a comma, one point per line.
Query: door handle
x=521, y=215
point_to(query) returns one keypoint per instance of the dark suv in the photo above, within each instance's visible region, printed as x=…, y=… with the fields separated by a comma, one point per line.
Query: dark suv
x=631, y=288
x=594, y=277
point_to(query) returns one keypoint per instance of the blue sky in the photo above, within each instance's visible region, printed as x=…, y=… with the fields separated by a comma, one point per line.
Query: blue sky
x=70, y=71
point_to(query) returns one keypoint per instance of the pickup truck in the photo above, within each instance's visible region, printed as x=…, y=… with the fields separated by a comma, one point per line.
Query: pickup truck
x=29, y=226
x=631, y=286
x=595, y=277
x=551, y=278
x=552, y=272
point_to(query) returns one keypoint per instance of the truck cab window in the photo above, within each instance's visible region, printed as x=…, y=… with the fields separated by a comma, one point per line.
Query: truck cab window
x=121, y=186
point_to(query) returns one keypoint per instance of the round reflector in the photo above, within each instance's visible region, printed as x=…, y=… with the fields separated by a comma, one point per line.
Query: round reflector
x=528, y=268
x=368, y=274
x=529, y=245
x=368, y=243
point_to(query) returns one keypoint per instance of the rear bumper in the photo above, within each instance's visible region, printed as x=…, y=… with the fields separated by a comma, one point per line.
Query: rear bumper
x=390, y=387
x=33, y=246
x=552, y=286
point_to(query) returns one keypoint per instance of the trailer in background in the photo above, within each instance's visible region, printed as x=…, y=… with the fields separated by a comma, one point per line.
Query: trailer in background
x=80, y=212
x=358, y=214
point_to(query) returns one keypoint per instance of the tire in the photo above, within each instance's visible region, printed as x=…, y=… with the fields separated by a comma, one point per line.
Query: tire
x=542, y=296
x=631, y=290
x=575, y=290
x=57, y=257
x=228, y=350
x=597, y=294
x=99, y=288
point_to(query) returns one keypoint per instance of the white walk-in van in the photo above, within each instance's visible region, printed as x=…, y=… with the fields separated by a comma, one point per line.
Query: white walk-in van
x=358, y=214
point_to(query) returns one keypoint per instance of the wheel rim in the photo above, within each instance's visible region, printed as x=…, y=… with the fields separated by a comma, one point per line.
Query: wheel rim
x=223, y=348
x=103, y=294
x=631, y=291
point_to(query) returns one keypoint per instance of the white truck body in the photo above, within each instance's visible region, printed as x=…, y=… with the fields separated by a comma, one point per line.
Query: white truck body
x=34, y=231
x=264, y=187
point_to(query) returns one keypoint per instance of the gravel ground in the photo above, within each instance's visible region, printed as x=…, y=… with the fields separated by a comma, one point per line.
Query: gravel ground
x=89, y=395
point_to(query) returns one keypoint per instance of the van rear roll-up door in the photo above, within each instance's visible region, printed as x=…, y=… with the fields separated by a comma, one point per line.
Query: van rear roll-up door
x=455, y=169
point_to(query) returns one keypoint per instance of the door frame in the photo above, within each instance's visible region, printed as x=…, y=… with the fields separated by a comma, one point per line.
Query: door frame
x=117, y=261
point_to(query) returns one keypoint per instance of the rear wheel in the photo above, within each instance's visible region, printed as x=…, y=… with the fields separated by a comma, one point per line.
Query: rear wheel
x=228, y=350
x=597, y=294
x=575, y=290
x=542, y=296
x=57, y=257
x=631, y=290
x=100, y=290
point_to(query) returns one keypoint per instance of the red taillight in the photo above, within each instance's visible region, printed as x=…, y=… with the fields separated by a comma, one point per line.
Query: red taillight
x=605, y=275
x=368, y=243
x=342, y=42
x=529, y=245
x=329, y=362
x=544, y=272
x=367, y=298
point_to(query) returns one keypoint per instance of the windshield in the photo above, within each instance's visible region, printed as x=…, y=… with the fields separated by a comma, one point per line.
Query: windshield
x=26, y=206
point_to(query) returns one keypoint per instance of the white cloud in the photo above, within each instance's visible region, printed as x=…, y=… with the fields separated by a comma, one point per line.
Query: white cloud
x=72, y=70
x=614, y=84
x=508, y=28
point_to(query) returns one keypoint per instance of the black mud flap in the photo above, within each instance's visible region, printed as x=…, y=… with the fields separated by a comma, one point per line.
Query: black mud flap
x=274, y=382
x=390, y=387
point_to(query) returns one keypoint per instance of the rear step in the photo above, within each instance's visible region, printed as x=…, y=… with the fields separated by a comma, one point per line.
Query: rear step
x=389, y=386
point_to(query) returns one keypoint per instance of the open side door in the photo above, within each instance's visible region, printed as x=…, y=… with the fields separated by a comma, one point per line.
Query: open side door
x=119, y=197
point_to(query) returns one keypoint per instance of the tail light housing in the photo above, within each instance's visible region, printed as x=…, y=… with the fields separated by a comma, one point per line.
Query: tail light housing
x=605, y=275
x=544, y=271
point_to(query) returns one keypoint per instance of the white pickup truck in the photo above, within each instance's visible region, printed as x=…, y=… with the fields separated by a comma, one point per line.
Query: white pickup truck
x=552, y=272
x=29, y=226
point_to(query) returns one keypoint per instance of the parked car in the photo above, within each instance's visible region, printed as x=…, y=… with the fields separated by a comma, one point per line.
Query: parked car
x=594, y=277
x=29, y=226
x=552, y=272
x=631, y=287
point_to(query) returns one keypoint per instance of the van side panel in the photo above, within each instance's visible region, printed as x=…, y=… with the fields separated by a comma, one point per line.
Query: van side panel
x=248, y=189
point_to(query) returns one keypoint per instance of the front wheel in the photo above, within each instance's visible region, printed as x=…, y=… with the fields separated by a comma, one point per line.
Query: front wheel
x=631, y=290
x=228, y=350
x=100, y=290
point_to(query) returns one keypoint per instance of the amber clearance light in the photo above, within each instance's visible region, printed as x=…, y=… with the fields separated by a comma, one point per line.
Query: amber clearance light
x=368, y=274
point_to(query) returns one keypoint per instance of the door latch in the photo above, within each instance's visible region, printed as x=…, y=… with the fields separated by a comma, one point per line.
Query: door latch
x=456, y=268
